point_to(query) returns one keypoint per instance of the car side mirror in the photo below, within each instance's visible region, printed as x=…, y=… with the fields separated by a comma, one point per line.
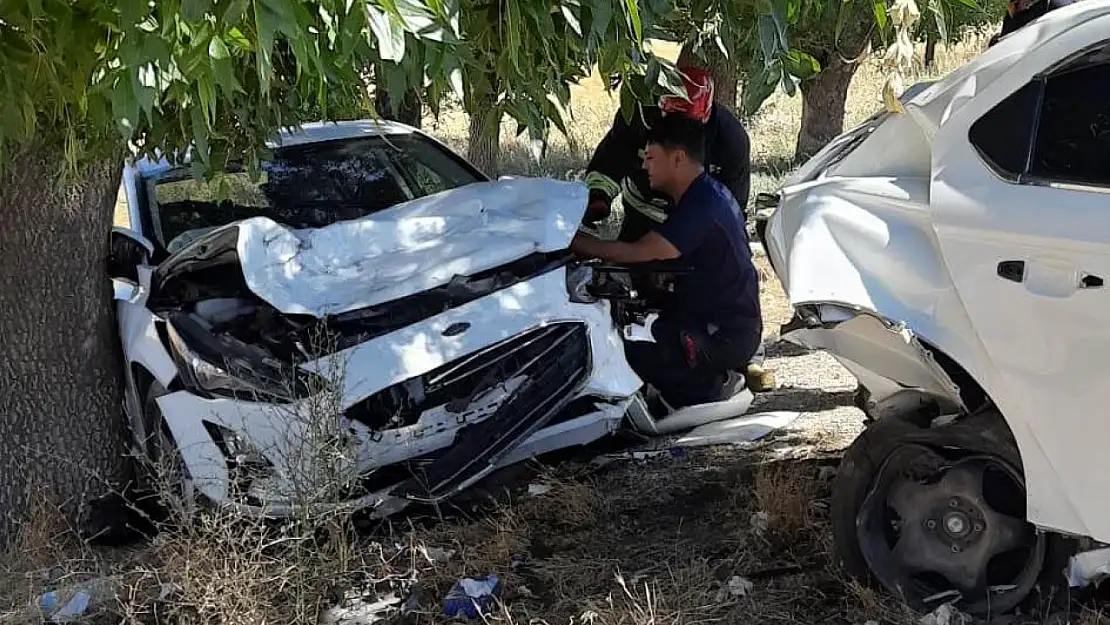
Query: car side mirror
x=127, y=250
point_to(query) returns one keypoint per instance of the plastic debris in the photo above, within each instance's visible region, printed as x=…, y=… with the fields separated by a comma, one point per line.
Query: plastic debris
x=736, y=588
x=535, y=490
x=77, y=605
x=760, y=521
x=740, y=431
x=435, y=555
x=356, y=610
x=366, y=608
x=68, y=604
x=469, y=597
x=945, y=614
x=642, y=454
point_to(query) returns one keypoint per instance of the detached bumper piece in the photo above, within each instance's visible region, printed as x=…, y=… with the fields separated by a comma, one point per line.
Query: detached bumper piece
x=556, y=362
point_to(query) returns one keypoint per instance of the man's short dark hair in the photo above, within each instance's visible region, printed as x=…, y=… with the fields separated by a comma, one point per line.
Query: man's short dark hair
x=679, y=132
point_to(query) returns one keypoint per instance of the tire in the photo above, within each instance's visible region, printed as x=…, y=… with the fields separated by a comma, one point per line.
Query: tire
x=984, y=433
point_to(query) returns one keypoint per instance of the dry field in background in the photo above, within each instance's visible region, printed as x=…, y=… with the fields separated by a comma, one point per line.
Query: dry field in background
x=715, y=535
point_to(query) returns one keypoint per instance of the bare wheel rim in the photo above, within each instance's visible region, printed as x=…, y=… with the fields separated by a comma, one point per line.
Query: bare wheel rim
x=935, y=530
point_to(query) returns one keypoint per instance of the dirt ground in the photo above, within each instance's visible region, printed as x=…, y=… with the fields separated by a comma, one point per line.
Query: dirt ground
x=658, y=540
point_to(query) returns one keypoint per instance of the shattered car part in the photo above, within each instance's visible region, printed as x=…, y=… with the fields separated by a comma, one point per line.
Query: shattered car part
x=899, y=373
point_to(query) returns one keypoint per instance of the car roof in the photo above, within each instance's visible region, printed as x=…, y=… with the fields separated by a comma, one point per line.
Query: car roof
x=312, y=132
x=938, y=102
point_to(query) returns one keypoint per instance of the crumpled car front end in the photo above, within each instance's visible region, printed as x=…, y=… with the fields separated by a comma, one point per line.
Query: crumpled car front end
x=401, y=357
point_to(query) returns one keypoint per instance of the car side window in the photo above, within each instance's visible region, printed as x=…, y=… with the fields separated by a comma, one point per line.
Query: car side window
x=1003, y=134
x=1073, y=136
x=1054, y=129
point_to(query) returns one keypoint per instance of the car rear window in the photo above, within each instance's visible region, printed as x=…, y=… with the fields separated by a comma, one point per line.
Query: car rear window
x=305, y=186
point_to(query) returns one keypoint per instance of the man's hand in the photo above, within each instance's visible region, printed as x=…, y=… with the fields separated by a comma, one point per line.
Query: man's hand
x=652, y=246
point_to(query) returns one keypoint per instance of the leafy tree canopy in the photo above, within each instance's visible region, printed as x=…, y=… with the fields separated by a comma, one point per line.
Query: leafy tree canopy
x=221, y=75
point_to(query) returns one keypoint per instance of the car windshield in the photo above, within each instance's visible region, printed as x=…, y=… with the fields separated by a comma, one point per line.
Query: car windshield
x=305, y=186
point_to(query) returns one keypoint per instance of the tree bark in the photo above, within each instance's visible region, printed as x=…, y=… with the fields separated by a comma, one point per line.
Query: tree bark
x=823, y=101
x=62, y=431
x=723, y=72
x=410, y=111
x=930, y=51
x=484, y=148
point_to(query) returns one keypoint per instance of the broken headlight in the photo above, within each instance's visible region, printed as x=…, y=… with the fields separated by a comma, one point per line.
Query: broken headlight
x=579, y=278
x=225, y=367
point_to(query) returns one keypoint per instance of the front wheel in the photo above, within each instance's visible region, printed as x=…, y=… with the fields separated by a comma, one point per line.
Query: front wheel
x=938, y=515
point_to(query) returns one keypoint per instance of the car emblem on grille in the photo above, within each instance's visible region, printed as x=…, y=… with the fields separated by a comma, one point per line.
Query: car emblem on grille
x=456, y=329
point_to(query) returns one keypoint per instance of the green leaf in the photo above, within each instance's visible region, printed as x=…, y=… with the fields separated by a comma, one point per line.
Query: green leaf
x=454, y=74
x=217, y=49
x=389, y=35
x=768, y=37
x=788, y=84
x=842, y=19
x=938, y=15
x=572, y=18
x=633, y=10
x=800, y=65
x=763, y=83
x=601, y=16
x=125, y=107
x=780, y=18
x=131, y=12
x=671, y=81
x=233, y=12
x=878, y=7
x=194, y=10
x=200, y=135
x=628, y=102
x=236, y=38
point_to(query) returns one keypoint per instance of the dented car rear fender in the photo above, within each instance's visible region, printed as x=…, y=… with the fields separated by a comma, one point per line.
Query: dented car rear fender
x=865, y=246
x=900, y=373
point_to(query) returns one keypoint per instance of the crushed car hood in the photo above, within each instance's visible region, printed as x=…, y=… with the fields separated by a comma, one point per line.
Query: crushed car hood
x=406, y=249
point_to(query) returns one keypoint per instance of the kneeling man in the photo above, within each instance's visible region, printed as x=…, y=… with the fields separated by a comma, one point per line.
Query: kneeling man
x=712, y=326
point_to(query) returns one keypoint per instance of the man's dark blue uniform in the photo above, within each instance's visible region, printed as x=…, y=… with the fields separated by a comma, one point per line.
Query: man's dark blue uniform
x=715, y=323
x=723, y=289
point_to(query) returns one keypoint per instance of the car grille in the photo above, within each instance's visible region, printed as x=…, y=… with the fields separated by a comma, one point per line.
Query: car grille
x=556, y=362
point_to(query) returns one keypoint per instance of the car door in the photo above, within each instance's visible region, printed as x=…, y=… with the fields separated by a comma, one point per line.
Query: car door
x=1021, y=204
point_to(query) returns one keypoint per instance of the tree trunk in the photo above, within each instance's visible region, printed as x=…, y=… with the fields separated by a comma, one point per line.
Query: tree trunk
x=61, y=425
x=930, y=51
x=484, y=138
x=823, y=100
x=410, y=111
x=721, y=69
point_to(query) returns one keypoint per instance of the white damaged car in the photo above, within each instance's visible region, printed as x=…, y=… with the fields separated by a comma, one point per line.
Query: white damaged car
x=953, y=257
x=373, y=322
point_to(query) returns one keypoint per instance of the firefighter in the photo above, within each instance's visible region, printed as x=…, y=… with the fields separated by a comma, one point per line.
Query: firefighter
x=617, y=164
